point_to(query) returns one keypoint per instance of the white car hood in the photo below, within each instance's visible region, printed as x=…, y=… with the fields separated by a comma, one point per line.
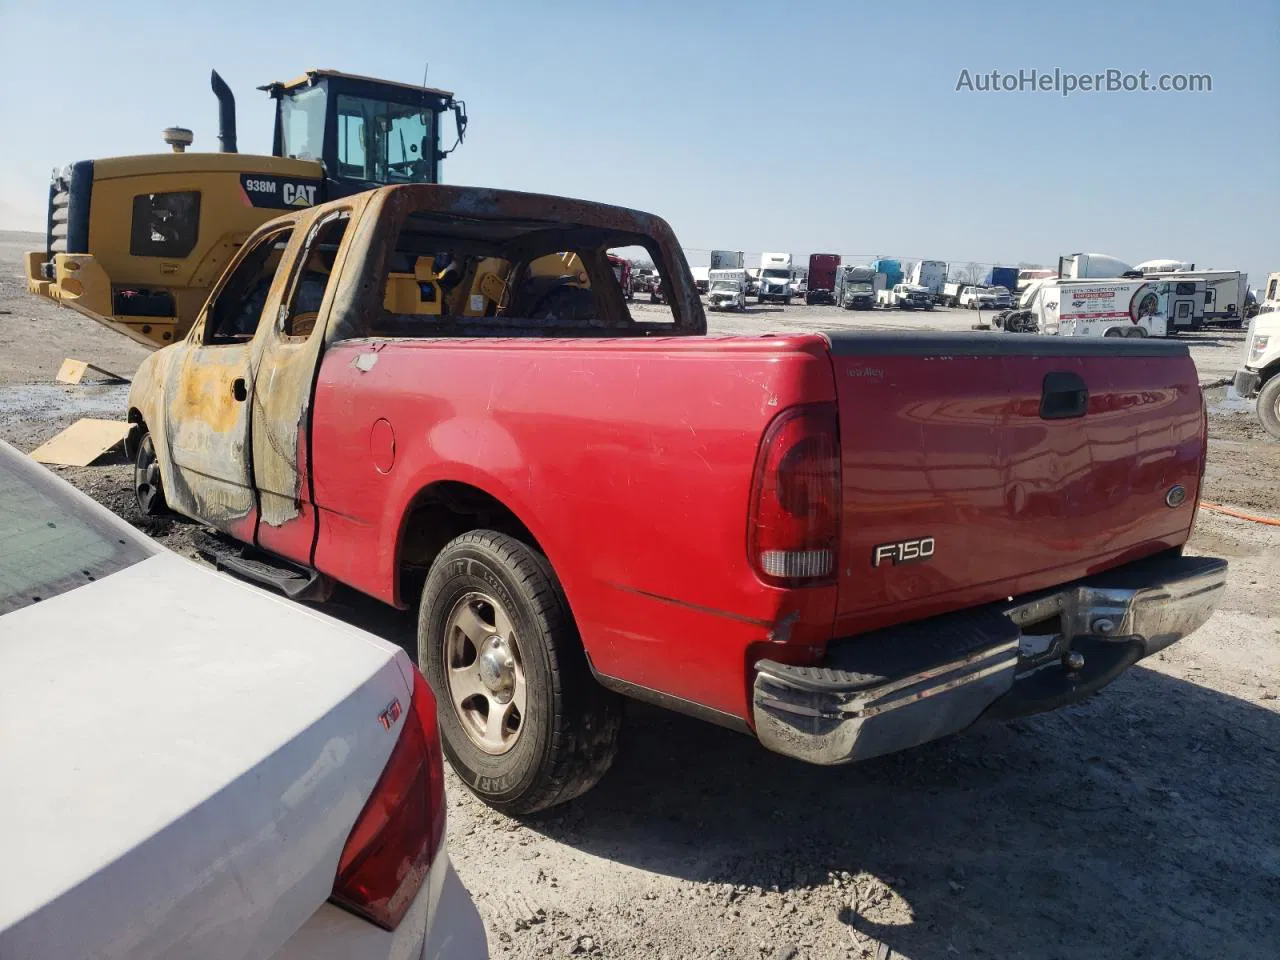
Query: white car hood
x=183, y=756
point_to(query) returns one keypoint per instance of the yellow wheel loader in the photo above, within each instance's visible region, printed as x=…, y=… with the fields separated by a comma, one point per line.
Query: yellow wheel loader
x=136, y=242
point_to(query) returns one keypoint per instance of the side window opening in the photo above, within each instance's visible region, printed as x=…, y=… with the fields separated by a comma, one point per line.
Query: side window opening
x=165, y=224
x=237, y=307
x=298, y=316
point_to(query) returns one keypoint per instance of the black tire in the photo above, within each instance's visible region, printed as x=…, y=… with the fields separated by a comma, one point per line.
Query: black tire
x=148, y=490
x=1114, y=332
x=1269, y=406
x=568, y=735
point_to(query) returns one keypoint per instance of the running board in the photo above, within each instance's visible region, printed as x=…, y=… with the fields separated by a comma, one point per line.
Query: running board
x=294, y=581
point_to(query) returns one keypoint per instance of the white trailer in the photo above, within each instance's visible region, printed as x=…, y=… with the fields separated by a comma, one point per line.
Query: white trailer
x=1093, y=308
x=1225, y=292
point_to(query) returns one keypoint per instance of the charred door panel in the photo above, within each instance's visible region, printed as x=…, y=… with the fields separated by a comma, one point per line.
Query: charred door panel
x=285, y=364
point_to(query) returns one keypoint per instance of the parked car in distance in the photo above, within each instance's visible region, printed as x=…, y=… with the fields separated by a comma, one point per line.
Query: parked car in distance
x=977, y=298
x=568, y=492
x=196, y=768
x=1003, y=298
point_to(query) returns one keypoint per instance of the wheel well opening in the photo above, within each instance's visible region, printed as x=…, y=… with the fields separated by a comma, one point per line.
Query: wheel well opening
x=441, y=512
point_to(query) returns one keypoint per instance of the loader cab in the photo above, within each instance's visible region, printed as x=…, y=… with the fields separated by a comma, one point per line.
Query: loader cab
x=366, y=132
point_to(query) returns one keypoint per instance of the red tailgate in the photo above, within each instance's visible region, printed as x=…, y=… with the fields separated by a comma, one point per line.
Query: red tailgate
x=956, y=480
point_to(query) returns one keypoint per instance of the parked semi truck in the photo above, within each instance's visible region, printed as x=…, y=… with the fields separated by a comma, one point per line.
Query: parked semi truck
x=930, y=274
x=358, y=424
x=775, y=278
x=892, y=270
x=855, y=287
x=821, y=281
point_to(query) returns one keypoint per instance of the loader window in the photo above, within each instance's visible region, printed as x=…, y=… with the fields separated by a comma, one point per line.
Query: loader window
x=298, y=319
x=384, y=142
x=165, y=224
x=302, y=124
x=237, y=307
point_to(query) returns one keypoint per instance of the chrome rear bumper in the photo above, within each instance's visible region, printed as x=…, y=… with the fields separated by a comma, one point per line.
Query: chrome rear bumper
x=904, y=686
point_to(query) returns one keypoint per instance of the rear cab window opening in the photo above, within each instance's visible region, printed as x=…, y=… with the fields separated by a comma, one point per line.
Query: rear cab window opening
x=452, y=276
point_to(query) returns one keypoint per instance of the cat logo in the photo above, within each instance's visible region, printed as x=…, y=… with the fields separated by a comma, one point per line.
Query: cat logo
x=263, y=190
x=299, y=194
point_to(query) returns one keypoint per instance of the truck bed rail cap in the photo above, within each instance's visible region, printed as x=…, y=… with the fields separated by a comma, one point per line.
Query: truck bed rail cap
x=858, y=343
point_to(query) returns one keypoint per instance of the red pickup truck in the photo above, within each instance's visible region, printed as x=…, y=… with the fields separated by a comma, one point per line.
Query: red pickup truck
x=845, y=544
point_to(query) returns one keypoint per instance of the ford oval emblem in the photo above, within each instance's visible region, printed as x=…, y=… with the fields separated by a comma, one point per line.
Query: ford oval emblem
x=1176, y=496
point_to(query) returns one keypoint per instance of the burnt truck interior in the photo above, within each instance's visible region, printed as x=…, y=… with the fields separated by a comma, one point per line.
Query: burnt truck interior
x=455, y=276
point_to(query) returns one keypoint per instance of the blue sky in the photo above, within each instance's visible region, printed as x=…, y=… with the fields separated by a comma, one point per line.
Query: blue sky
x=821, y=126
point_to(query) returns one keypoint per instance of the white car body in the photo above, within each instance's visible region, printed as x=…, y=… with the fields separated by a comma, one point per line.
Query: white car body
x=185, y=757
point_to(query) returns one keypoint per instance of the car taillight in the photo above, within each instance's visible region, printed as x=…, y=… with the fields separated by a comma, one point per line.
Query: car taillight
x=793, y=530
x=398, y=833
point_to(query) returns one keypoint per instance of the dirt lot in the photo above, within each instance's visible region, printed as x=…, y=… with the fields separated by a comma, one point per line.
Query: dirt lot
x=1144, y=823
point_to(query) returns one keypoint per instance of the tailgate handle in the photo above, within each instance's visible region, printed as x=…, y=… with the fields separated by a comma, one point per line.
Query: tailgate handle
x=1064, y=396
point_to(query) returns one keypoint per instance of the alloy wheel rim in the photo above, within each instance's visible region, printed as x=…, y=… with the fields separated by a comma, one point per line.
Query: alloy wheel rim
x=484, y=673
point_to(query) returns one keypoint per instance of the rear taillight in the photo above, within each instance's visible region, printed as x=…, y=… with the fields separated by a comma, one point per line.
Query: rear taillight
x=793, y=529
x=398, y=833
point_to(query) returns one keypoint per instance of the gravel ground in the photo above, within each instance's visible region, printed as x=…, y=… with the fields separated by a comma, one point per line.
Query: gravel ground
x=1143, y=823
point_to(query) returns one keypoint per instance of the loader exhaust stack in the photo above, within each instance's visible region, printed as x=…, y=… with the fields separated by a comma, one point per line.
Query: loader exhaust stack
x=226, y=113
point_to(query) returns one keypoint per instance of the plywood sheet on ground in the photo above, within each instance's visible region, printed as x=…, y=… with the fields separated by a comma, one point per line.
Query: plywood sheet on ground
x=82, y=443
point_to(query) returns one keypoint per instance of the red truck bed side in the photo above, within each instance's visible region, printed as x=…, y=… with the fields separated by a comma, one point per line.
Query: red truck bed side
x=630, y=461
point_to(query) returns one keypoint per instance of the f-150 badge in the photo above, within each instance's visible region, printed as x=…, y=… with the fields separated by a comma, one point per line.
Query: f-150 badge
x=904, y=551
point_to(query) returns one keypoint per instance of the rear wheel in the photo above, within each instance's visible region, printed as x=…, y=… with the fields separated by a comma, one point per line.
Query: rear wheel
x=1269, y=406
x=524, y=723
x=1114, y=332
x=148, y=490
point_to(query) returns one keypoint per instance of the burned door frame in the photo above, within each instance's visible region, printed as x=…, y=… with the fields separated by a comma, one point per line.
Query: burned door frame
x=207, y=405
x=285, y=368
